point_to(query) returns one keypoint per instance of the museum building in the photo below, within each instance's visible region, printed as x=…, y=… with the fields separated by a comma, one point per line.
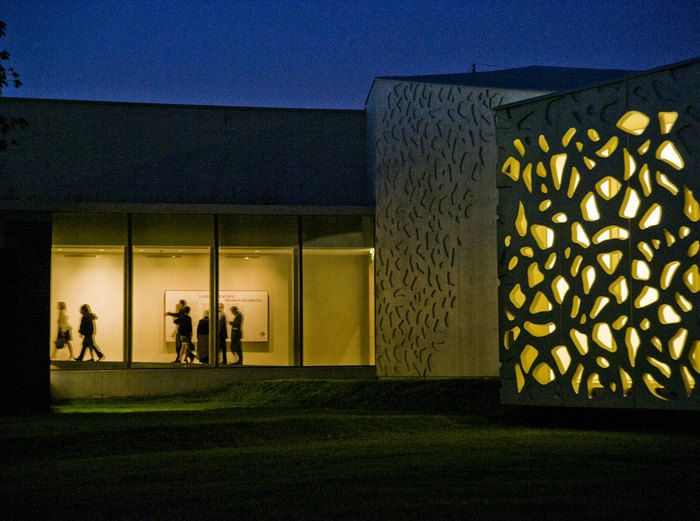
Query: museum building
x=362, y=243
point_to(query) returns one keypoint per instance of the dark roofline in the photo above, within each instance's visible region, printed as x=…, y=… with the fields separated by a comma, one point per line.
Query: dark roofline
x=175, y=105
x=637, y=74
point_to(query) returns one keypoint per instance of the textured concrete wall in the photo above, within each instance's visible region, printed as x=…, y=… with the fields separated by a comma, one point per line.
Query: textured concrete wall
x=75, y=151
x=433, y=154
x=589, y=319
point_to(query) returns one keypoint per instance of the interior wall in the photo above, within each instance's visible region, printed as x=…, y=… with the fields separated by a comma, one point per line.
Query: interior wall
x=152, y=276
x=336, y=308
x=98, y=282
x=274, y=273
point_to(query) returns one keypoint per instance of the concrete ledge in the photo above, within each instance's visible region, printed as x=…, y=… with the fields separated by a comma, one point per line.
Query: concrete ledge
x=112, y=383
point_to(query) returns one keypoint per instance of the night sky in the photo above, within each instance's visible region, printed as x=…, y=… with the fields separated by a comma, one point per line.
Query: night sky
x=324, y=54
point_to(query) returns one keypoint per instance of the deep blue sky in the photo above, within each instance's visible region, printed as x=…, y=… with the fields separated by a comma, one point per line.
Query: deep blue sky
x=296, y=53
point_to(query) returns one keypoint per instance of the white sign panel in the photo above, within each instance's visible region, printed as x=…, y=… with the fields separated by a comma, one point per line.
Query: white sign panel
x=254, y=305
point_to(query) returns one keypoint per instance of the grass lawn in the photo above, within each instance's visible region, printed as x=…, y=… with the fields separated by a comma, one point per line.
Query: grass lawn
x=318, y=450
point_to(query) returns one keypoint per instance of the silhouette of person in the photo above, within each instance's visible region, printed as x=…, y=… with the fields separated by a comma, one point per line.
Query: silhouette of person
x=176, y=314
x=184, y=330
x=203, y=338
x=64, y=332
x=87, y=331
x=222, y=332
x=237, y=335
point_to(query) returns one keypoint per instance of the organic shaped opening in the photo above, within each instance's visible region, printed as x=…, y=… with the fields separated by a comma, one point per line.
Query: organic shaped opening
x=534, y=275
x=592, y=384
x=618, y=289
x=562, y=358
x=589, y=208
x=556, y=165
x=576, y=265
x=646, y=297
x=511, y=336
x=600, y=303
x=542, y=141
x=567, y=137
x=527, y=177
x=608, y=148
x=543, y=374
x=593, y=135
x=559, y=288
x=543, y=188
x=526, y=251
x=644, y=147
x=645, y=180
x=513, y=263
x=519, y=378
x=539, y=330
x=602, y=335
x=666, y=121
x=683, y=303
x=509, y=315
x=576, y=379
x=587, y=278
x=693, y=249
x=578, y=235
x=646, y=250
x=668, y=153
x=620, y=322
x=630, y=164
x=609, y=233
x=521, y=220
x=668, y=315
x=688, y=380
x=540, y=304
x=573, y=182
x=683, y=232
x=608, y=187
x=511, y=168
x=609, y=261
x=640, y=270
x=580, y=341
x=590, y=164
x=645, y=324
x=626, y=381
x=567, y=252
x=551, y=261
x=670, y=239
x=656, y=243
x=517, y=297
x=519, y=147
x=575, y=305
x=543, y=235
x=692, y=278
x=633, y=122
x=677, y=343
x=653, y=386
x=663, y=368
x=602, y=362
x=664, y=182
x=544, y=205
x=630, y=204
x=527, y=357
x=657, y=343
x=507, y=240
x=583, y=319
x=694, y=356
x=668, y=273
x=652, y=217
x=559, y=218
x=691, y=207
x=541, y=170
x=632, y=341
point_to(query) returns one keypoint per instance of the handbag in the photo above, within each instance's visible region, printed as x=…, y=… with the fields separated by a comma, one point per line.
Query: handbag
x=60, y=343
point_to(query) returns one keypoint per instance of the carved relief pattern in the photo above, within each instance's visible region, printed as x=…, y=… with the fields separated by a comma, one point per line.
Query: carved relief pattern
x=431, y=145
x=599, y=257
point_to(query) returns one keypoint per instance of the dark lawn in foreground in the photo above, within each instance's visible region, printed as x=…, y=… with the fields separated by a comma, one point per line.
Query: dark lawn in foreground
x=133, y=461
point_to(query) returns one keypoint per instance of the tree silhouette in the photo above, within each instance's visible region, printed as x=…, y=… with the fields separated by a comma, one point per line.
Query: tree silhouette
x=9, y=77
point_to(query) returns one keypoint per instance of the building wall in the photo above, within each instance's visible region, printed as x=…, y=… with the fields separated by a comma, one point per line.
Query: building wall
x=588, y=319
x=77, y=151
x=432, y=151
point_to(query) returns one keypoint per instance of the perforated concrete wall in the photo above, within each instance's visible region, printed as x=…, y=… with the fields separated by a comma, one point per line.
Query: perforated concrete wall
x=598, y=245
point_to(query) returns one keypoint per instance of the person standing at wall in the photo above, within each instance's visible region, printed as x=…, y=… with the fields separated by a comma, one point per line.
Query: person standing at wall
x=177, y=314
x=87, y=331
x=237, y=335
x=203, y=338
x=222, y=333
x=64, y=332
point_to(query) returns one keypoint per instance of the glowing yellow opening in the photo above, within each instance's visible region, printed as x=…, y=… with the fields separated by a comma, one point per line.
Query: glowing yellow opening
x=551, y=261
x=559, y=218
x=645, y=180
x=609, y=261
x=609, y=233
x=578, y=235
x=670, y=239
x=633, y=122
x=620, y=322
x=592, y=384
x=513, y=262
x=693, y=249
x=691, y=207
x=626, y=381
x=544, y=205
x=543, y=235
x=608, y=148
x=640, y=270
x=542, y=141
x=576, y=380
x=540, y=304
x=677, y=343
x=608, y=187
x=527, y=357
x=632, y=341
x=644, y=147
x=576, y=265
x=652, y=217
x=509, y=315
x=602, y=362
x=683, y=303
x=511, y=336
x=653, y=386
x=534, y=275
x=645, y=324
x=539, y=330
x=602, y=335
x=517, y=297
x=527, y=177
x=541, y=170
x=646, y=250
x=600, y=303
x=593, y=135
x=543, y=373
x=559, y=288
x=668, y=315
x=580, y=341
x=526, y=251
x=521, y=220
x=562, y=358
x=618, y=289
x=666, y=121
x=519, y=378
x=663, y=368
x=668, y=273
x=567, y=137
x=630, y=164
x=590, y=164
x=587, y=278
x=664, y=182
x=683, y=232
x=507, y=240
x=657, y=344
x=573, y=182
x=694, y=356
x=519, y=147
x=630, y=204
x=688, y=380
x=575, y=305
x=511, y=168
x=589, y=208
x=556, y=165
x=646, y=297
x=692, y=278
x=668, y=153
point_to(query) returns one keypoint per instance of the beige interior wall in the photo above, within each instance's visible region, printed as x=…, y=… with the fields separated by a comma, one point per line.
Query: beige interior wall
x=98, y=282
x=337, y=308
x=274, y=273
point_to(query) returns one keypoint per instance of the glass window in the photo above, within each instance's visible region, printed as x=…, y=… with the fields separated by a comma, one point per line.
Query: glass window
x=338, y=290
x=171, y=262
x=257, y=258
x=87, y=272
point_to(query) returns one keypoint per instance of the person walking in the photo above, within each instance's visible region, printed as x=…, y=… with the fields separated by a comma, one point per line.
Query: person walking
x=64, y=337
x=237, y=335
x=87, y=331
